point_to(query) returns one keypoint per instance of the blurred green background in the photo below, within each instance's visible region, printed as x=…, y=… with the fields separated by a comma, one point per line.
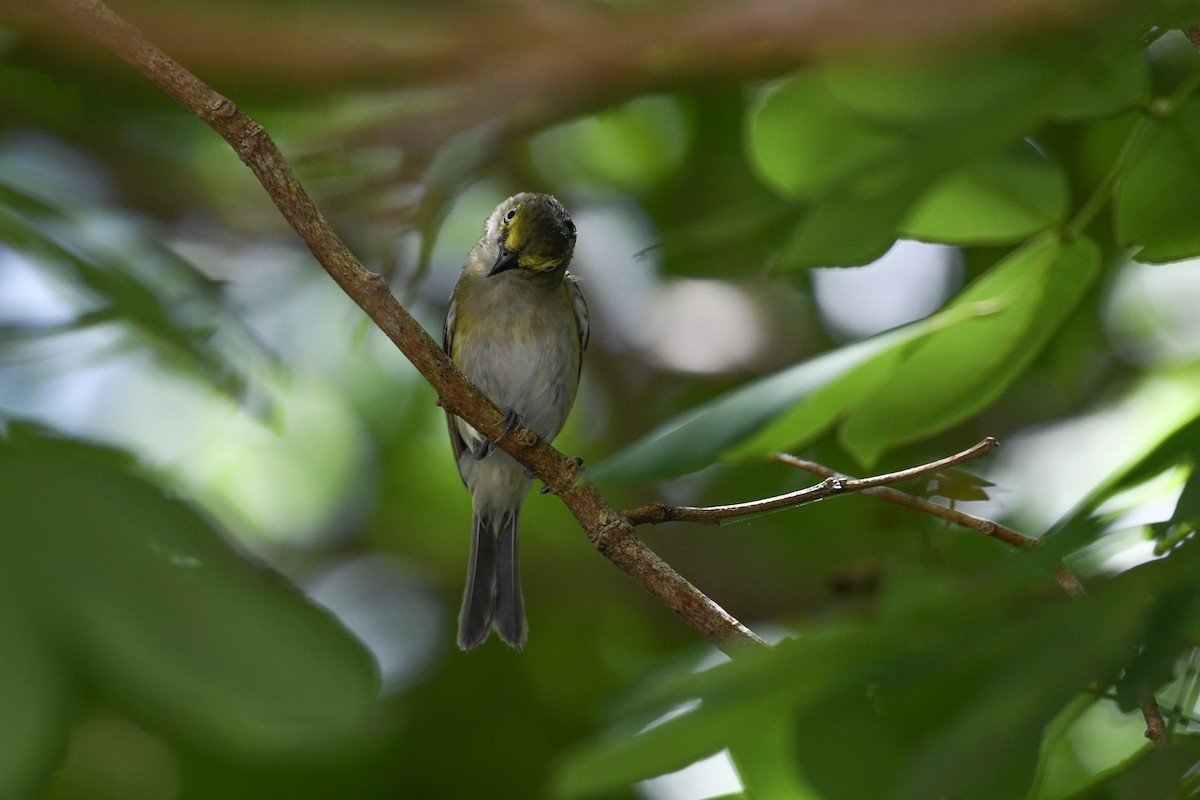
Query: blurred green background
x=232, y=539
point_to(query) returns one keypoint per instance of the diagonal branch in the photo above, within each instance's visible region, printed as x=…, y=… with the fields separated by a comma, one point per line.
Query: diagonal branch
x=608, y=532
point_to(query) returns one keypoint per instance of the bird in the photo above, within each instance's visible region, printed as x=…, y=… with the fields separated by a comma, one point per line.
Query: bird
x=517, y=327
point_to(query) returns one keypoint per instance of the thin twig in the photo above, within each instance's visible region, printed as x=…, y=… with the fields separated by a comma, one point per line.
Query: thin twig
x=1063, y=576
x=1156, y=729
x=988, y=528
x=608, y=532
x=657, y=513
x=1192, y=32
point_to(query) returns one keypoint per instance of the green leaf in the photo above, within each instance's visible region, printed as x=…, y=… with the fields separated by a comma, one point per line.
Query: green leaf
x=695, y=440
x=866, y=127
x=949, y=696
x=765, y=764
x=970, y=351
x=1187, y=508
x=1170, y=772
x=740, y=698
x=1104, y=83
x=843, y=233
x=989, y=748
x=164, y=616
x=612, y=765
x=1003, y=198
x=813, y=413
x=1065, y=768
x=862, y=140
x=119, y=272
x=994, y=329
x=802, y=142
x=945, y=90
x=633, y=146
x=1159, y=191
x=33, y=708
x=1160, y=424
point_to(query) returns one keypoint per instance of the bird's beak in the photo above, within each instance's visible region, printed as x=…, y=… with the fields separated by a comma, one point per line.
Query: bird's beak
x=506, y=261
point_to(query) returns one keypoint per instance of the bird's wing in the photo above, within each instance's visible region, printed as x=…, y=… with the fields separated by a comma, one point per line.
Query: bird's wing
x=456, y=440
x=579, y=306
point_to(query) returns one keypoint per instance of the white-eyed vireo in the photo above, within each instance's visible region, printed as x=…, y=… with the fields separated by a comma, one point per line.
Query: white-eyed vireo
x=517, y=327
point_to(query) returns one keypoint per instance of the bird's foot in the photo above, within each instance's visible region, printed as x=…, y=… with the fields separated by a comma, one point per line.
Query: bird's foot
x=486, y=447
x=546, y=489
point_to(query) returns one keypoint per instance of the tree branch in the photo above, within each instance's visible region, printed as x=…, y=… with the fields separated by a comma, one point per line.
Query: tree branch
x=643, y=46
x=1192, y=32
x=608, y=532
x=505, y=90
x=985, y=526
x=1064, y=577
x=1156, y=728
x=834, y=483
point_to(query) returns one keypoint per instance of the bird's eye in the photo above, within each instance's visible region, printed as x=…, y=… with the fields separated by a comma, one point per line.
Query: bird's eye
x=570, y=228
x=511, y=215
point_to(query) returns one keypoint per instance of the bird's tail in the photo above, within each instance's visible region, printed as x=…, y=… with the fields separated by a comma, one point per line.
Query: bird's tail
x=493, y=595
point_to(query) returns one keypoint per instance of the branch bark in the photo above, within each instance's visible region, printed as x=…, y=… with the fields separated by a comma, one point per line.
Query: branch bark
x=607, y=530
x=1156, y=728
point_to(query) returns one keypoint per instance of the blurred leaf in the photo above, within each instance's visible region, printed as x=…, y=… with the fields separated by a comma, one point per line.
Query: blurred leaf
x=969, y=351
x=1170, y=632
x=955, y=484
x=990, y=749
x=33, y=702
x=1187, y=509
x=164, y=615
x=765, y=764
x=931, y=91
x=1167, y=773
x=862, y=140
x=996, y=327
x=694, y=440
x=942, y=688
x=1003, y=198
x=802, y=142
x=1059, y=763
x=751, y=693
x=632, y=146
x=1159, y=190
x=1105, y=83
x=1160, y=421
x=823, y=405
x=1179, y=446
x=613, y=765
x=843, y=233
x=949, y=699
x=120, y=273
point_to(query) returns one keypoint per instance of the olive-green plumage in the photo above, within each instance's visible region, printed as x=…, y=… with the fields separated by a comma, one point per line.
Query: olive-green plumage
x=517, y=327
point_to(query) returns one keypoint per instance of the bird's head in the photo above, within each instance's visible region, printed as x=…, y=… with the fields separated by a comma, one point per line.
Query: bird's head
x=532, y=232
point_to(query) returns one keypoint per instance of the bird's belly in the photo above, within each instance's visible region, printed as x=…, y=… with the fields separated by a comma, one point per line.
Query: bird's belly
x=535, y=377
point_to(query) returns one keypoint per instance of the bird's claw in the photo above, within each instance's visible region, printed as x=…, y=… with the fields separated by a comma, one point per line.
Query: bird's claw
x=546, y=489
x=486, y=447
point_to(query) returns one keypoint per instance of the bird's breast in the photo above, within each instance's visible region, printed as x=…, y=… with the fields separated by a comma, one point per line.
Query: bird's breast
x=521, y=347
